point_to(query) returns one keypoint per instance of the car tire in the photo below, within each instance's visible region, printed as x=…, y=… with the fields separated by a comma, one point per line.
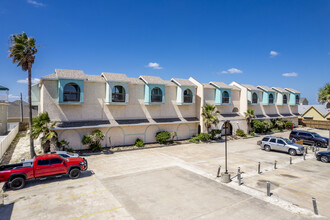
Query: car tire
x=74, y=173
x=267, y=148
x=17, y=183
x=324, y=159
x=319, y=144
x=292, y=152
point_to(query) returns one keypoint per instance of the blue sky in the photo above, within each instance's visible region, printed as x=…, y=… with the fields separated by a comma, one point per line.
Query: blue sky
x=253, y=42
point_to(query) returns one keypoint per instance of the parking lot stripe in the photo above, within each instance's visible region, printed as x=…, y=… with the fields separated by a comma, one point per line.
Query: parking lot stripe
x=29, y=206
x=96, y=213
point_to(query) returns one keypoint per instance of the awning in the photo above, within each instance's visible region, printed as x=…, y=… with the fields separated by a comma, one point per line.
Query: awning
x=2, y=88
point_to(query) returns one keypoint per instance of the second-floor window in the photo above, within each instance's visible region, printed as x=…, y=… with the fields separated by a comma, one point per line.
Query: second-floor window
x=187, y=96
x=297, y=99
x=254, y=98
x=271, y=99
x=156, y=95
x=71, y=93
x=285, y=99
x=118, y=94
x=225, y=97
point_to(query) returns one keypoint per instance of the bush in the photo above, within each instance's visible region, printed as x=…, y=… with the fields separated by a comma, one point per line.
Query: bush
x=252, y=133
x=162, y=137
x=240, y=132
x=280, y=124
x=202, y=137
x=214, y=133
x=258, y=126
x=139, y=142
x=267, y=126
x=288, y=124
x=93, y=140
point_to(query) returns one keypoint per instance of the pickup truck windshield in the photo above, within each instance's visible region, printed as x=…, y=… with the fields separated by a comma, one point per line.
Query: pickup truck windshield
x=63, y=158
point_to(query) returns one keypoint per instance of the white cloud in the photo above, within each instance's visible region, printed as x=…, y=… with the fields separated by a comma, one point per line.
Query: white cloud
x=155, y=66
x=273, y=53
x=11, y=96
x=35, y=3
x=25, y=81
x=293, y=74
x=231, y=71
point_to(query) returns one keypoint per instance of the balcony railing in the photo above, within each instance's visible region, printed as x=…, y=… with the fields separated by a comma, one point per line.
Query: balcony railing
x=3, y=97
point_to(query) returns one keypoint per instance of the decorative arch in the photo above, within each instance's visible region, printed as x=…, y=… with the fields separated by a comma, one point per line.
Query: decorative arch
x=271, y=99
x=71, y=92
x=118, y=94
x=235, y=109
x=156, y=95
x=225, y=97
x=180, y=134
x=107, y=136
x=285, y=99
x=254, y=98
x=228, y=130
x=60, y=137
x=146, y=138
x=188, y=96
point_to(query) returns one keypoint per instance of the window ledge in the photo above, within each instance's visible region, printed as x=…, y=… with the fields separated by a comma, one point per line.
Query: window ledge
x=116, y=103
x=71, y=103
x=154, y=103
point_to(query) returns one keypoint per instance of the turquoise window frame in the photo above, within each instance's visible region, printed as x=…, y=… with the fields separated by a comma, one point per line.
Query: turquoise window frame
x=180, y=95
x=147, y=94
x=218, y=96
x=287, y=99
x=250, y=93
x=110, y=86
x=265, y=98
x=62, y=83
x=292, y=100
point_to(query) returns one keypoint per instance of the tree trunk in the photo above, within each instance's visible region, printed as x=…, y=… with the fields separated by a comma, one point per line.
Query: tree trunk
x=53, y=145
x=32, y=152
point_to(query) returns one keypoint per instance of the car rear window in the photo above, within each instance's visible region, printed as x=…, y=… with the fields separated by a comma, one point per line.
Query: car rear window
x=265, y=139
x=273, y=140
x=43, y=162
x=55, y=161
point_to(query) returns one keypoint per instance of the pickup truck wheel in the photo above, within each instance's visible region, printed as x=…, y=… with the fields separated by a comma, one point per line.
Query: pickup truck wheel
x=74, y=173
x=292, y=152
x=17, y=183
x=267, y=148
x=324, y=159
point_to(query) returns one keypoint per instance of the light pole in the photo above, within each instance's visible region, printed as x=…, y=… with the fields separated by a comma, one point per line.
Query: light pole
x=225, y=177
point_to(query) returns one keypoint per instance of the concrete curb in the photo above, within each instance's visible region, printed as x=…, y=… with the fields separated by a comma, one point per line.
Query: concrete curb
x=2, y=197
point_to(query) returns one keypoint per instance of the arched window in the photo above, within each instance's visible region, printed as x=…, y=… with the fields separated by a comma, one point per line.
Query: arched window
x=297, y=99
x=225, y=97
x=235, y=109
x=271, y=99
x=71, y=93
x=118, y=94
x=254, y=98
x=156, y=95
x=285, y=99
x=187, y=96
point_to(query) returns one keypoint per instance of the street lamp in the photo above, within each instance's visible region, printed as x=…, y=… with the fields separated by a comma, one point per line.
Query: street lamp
x=225, y=177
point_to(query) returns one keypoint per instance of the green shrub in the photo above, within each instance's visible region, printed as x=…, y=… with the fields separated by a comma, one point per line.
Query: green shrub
x=214, y=132
x=240, y=132
x=252, y=133
x=202, y=137
x=288, y=124
x=258, y=126
x=139, y=142
x=162, y=137
x=267, y=126
x=93, y=140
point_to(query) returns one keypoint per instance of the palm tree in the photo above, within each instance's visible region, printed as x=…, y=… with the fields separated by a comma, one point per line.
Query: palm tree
x=324, y=94
x=249, y=115
x=210, y=116
x=22, y=51
x=42, y=126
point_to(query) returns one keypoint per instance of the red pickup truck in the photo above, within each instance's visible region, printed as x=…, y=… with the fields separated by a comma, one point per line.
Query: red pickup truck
x=41, y=166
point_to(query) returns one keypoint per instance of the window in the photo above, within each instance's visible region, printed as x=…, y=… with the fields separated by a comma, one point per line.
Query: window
x=297, y=99
x=55, y=161
x=271, y=99
x=254, y=98
x=273, y=140
x=187, y=96
x=280, y=142
x=235, y=109
x=43, y=162
x=118, y=94
x=71, y=93
x=156, y=95
x=265, y=139
x=285, y=99
x=225, y=97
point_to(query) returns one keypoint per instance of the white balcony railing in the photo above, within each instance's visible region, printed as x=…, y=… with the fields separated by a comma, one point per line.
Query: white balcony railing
x=3, y=97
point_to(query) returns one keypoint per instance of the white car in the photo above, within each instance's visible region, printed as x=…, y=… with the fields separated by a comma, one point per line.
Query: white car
x=64, y=154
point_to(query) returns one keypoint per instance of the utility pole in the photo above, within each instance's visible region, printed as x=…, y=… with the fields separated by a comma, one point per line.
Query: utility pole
x=21, y=108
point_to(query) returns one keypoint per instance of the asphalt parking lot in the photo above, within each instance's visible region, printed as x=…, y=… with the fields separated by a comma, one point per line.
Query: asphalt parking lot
x=179, y=182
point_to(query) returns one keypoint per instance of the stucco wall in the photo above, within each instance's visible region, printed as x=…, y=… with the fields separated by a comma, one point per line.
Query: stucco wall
x=95, y=108
x=126, y=135
x=3, y=118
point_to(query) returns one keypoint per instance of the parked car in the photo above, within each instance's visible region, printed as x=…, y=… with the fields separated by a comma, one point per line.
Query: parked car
x=323, y=156
x=281, y=144
x=64, y=154
x=309, y=138
x=46, y=165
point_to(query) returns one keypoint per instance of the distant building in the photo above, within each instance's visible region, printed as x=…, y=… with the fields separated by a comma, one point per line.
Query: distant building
x=303, y=101
x=314, y=112
x=14, y=111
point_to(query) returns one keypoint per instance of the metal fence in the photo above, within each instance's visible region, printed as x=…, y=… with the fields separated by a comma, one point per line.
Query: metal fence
x=6, y=140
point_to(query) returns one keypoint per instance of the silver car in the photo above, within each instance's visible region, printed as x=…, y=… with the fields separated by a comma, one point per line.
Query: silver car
x=281, y=144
